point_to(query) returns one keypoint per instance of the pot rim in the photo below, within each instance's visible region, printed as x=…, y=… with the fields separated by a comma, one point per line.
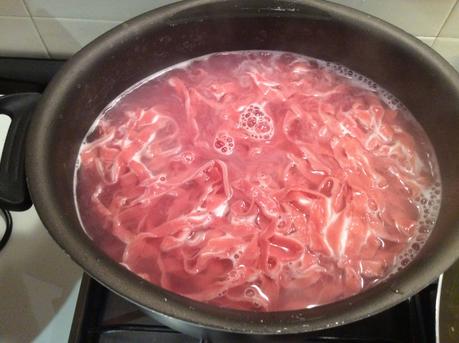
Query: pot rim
x=167, y=304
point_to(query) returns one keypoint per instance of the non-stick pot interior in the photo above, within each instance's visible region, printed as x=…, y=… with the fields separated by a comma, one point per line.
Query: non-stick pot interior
x=96, y=75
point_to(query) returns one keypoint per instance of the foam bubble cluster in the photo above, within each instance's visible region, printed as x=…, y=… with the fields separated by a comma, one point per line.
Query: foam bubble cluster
x=428, y=204
x=224, y=143
x=364, y=82
x=256, y=122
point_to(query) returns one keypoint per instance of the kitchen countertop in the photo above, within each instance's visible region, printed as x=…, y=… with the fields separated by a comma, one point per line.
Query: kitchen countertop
x=39, y=285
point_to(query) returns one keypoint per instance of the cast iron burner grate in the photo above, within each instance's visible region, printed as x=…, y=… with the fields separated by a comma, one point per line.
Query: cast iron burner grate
x=104, y=317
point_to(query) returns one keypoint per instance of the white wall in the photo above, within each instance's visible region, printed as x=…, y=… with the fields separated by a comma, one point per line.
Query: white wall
x=58, y=28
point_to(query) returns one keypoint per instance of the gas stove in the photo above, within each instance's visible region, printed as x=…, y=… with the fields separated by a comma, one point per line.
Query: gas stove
x=102, y=316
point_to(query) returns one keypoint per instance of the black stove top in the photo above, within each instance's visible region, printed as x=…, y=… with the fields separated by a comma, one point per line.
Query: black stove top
x=18, y=75
x=102, y=316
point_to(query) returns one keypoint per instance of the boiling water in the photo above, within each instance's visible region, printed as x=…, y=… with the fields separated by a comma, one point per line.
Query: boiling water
x=258, y=180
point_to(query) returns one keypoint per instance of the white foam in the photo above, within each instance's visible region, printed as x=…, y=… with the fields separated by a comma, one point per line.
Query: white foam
x=428, y=204
x=366, y=83
x=429, y=201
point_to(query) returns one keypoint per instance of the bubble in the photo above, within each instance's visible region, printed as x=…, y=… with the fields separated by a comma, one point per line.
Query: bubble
x=424, y=229
x=257, y=124
x=219, y=144
x=233, y=274
x=249, y=292
x=224, y=143
x=188, y=156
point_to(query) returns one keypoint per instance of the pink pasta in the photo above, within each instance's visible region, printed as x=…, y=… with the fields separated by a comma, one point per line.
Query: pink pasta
x=258, y=181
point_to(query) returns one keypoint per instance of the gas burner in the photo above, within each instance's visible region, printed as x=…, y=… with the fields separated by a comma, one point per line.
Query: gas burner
x=102, y=316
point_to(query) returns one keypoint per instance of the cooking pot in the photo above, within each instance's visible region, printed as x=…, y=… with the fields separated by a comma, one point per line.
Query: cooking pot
x=413, y=72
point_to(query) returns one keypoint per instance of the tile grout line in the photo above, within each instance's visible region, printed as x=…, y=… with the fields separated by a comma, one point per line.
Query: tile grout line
x=79, y=19
x=111, y=21
x=445, y=21
x=36, y=28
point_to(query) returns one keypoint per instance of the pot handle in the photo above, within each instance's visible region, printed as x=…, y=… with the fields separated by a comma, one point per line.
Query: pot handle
x=14, y=194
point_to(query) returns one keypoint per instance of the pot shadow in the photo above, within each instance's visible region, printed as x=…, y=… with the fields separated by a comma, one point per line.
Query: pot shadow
x=36, y=279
